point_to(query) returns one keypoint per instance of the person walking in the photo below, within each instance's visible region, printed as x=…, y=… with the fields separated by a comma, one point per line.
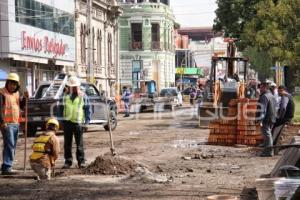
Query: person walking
x=192, y=93
x=126, y=96
x=267, y=116
x=10, y=108
x=76, y=114
x=45, y=148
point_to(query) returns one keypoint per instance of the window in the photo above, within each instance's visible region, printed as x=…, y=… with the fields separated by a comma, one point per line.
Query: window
x=34, y=13
x=91, y=91
x=155, y=36
x=93, y=46
x=99, y=47
x=109, y=48
x=136, y=32
x=82, y=43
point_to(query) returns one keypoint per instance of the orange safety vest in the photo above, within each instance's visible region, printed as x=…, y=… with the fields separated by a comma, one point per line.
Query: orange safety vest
x=11, y=107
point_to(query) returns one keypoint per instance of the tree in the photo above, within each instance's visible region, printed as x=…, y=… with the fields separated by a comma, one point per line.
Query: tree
x=263, y=29
x=275, y=29
x=232, y=15
x=261, y=62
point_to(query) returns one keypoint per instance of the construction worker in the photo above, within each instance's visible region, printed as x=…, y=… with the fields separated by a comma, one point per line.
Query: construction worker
x=266, y=114
x=10, y=105
x=286, y=107
x=274, y=91
x=76, y=114
x=45, y=151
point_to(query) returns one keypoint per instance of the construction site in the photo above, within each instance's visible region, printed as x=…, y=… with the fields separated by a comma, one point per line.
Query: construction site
x=159, y=156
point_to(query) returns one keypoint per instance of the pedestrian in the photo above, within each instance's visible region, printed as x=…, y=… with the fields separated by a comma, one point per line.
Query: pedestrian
x=251, y=91
x=199, y=94
x=286, y=108
x=267, y=116
x=126, y=96
x=76, y=113
x=45, y=151
x=274, y=91
x=10, y=105
x=192, y=95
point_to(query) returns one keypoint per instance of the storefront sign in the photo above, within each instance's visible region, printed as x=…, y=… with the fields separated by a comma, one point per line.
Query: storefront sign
x=48, y=45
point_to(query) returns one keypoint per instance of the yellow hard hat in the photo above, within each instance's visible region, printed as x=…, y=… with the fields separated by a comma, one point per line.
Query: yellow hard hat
x=13, y=77
x=53, y=121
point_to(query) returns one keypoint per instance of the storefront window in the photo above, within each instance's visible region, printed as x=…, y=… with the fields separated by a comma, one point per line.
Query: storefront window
x=34, y=13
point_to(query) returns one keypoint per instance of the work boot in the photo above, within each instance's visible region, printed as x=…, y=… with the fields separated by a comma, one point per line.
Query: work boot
x=81, y=165
x=67, y=166
x=8, y=172
x=267, y=154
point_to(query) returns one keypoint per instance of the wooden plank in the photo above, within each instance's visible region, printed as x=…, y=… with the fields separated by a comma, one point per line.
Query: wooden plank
x=290, y=157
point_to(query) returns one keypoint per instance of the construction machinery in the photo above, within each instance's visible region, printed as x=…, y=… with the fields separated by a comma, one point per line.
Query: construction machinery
x=228, y=76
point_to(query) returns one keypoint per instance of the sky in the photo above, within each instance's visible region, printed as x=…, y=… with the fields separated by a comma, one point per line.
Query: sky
x=194, y=13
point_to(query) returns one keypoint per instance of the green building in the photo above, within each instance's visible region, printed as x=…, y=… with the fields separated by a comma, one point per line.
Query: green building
x=147, y=50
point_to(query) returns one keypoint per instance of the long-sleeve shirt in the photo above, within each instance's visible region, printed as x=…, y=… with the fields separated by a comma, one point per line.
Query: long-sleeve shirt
x=2, y=101
x=53, y=146
x=267, y=108
x=286, y=108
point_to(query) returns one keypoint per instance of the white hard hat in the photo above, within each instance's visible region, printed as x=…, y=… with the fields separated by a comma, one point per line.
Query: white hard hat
x=73, y=82
x=273, y=84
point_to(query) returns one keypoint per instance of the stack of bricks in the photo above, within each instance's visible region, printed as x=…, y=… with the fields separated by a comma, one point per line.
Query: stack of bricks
x=238, y=127
x=222, y=132
x=248, y=132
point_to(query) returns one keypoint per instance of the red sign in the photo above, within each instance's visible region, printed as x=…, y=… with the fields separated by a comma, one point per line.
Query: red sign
x=50, y=46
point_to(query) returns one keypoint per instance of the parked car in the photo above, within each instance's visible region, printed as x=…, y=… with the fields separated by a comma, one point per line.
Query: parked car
x=42, y=106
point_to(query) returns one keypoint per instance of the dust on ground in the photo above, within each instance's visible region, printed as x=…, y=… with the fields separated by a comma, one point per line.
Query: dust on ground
x=159, y=157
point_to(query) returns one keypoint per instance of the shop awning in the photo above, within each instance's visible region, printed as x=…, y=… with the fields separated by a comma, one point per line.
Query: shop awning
x=189, y=71
x=64, y=63
x=28, y=58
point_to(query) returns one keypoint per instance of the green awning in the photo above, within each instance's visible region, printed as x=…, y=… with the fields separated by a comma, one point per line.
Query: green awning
x=189, y=71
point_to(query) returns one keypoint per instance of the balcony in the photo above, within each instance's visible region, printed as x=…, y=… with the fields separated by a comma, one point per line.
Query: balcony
x=155, y=45
x=136, y=46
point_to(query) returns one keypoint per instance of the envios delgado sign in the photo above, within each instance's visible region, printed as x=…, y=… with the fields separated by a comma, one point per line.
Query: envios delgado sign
x=43, y=45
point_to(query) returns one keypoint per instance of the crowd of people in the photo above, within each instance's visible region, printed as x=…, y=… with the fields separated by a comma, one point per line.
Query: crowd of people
x=276, y=108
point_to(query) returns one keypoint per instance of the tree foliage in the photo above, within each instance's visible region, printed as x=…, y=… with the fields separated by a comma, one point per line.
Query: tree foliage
x=269, y=27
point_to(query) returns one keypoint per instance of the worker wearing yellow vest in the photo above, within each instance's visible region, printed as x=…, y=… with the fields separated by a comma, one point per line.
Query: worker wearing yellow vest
x=76, y=113
x=45, y=151
x=10, y=105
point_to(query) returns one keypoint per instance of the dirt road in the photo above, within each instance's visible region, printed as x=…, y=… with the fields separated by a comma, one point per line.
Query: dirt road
x=169, y=145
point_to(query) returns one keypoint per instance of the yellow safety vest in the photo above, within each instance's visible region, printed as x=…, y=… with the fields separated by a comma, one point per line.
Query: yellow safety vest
x=38, y=147
x=73, y=110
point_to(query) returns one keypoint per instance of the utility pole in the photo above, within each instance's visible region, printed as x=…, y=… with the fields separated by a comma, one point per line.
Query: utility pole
x=90, y=67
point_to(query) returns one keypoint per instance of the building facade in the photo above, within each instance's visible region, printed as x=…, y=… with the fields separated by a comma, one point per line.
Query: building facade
x=36, y=39
x=147, y=51
x=104, y=43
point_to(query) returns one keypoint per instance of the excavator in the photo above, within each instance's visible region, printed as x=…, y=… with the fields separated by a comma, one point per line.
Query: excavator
x=228, y=78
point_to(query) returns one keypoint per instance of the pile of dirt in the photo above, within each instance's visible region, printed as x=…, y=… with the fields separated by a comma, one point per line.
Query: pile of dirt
x=109, y=165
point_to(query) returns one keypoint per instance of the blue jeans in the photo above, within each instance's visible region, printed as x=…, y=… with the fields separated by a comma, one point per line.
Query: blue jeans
x=126, y=104
x=10, y=137
x=267, y=134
